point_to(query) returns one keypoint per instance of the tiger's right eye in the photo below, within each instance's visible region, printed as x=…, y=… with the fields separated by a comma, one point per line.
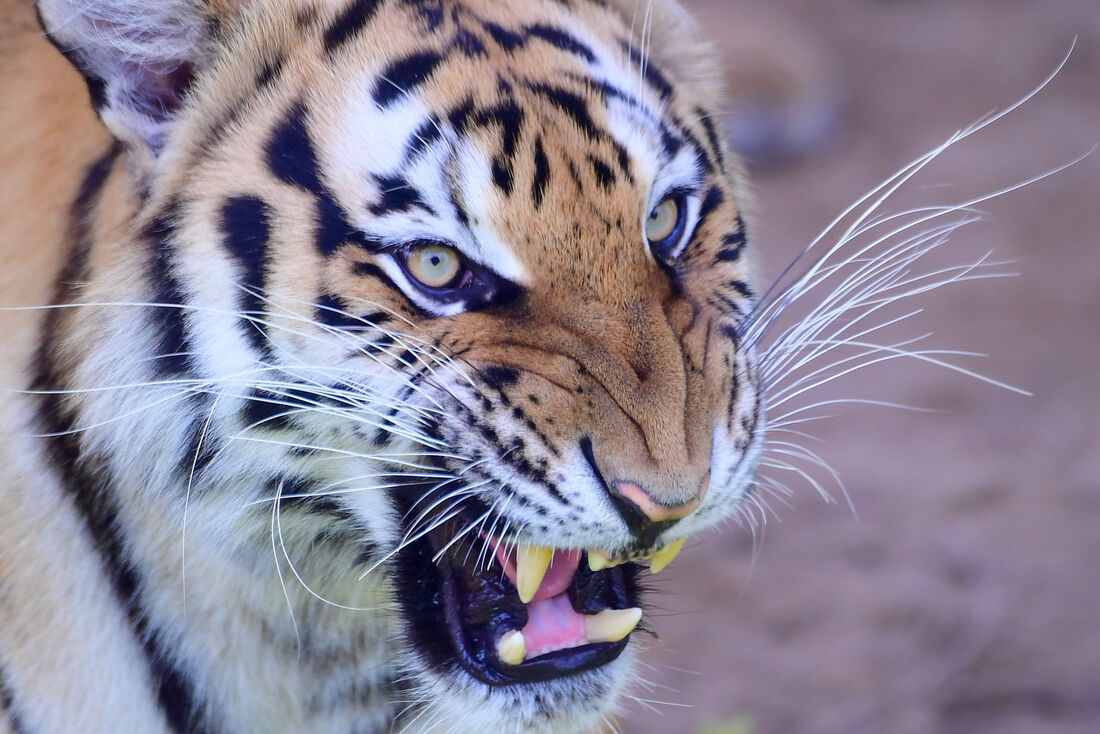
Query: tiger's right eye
x=434, y=266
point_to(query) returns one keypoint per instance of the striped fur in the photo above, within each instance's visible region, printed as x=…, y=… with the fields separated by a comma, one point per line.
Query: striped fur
x=205, y=498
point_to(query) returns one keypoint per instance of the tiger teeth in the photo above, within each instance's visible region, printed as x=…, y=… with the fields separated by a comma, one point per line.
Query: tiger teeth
x=611, y=625
x=512, y=648
x=598, y=561
x=663, y=557
x=532, y=561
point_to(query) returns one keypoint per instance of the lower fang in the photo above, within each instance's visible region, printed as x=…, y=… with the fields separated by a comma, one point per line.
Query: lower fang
x=611, y=625
x=512, y=648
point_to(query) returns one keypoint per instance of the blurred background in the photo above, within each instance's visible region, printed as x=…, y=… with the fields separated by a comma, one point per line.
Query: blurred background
x=963, y=592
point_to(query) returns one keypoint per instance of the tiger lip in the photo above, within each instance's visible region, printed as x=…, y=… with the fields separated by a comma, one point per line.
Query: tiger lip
x=541, y=576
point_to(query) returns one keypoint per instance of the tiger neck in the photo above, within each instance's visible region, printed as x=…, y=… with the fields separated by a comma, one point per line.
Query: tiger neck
x=223, y=579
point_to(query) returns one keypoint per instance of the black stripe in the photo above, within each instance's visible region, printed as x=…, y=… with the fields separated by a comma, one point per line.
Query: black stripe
x=293, y=160
x=469, y=44
x=542, y=174
x=246, y=229
x=84, y=476
x=403, y=76
x=732, y=245
x=563, y=40
x=509, y=117
x=712, y=136
x=349, y=24
x=712, y=201
x=172, y=357
x=430, y=12
x=653, y=76
x=605, y=177
x=290, y=153
x=506, y=39
x=423, y=138
x=571, y=104
x=397, y=195
x=331, y=311
x=270, y=71
x=743, y=289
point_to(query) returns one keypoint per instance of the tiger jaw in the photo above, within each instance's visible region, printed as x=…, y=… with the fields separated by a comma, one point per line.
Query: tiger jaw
x=542, y=576
x=510, y=614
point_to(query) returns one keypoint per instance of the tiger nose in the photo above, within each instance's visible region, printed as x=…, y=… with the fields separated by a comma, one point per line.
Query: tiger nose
x=655, y=510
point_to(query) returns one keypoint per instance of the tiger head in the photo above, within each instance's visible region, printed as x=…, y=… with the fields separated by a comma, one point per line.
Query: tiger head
x=462, y=281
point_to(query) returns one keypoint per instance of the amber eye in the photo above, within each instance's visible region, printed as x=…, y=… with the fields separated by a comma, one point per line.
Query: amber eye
x=663, y=226
x=435, y=266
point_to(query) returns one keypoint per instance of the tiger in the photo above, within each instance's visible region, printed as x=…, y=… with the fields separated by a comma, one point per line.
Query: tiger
x=375, y=353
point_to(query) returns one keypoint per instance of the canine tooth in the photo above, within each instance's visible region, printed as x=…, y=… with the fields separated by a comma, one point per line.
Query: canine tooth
x=598, y=560
x=531, y=564
x=512, y=648
x=663, y=557
x=611, y=625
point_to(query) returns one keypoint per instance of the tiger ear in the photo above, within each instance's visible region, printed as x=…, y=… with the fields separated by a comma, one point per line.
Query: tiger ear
x=137, y=57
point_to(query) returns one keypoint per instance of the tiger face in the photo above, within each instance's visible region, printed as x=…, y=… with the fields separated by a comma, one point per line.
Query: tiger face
x=455, y=288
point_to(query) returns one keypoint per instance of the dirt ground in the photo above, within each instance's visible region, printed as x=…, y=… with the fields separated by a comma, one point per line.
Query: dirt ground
x=965, y=597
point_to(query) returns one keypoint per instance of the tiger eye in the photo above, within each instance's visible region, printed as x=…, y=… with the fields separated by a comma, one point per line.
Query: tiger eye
x=663, y=222
x=435, y=266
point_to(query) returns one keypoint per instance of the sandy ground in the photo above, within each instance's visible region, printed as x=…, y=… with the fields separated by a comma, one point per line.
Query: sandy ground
x=965, y=597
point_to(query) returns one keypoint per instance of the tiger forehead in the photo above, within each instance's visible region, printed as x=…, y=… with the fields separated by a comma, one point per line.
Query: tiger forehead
x=513, y=130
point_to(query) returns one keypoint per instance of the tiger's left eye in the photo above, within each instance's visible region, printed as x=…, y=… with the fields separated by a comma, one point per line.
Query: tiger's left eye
x=435, y=266
x=663, y=226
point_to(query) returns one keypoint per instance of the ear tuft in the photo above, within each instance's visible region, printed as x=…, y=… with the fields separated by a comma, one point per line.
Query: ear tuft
x=137, y=57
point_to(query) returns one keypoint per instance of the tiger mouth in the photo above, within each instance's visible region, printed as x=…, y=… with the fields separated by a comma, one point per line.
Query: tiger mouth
x=463, y=601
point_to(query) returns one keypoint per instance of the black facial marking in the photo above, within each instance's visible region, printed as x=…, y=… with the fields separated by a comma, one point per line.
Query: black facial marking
x=670, y=143
x=653, y=76
x=330, y=311
x=605, y=177
x=712, y=136
x=498, y=377
x=398, y=195
x=333, y=227
x=732, y=245
x=542, y=174
x=400, y=78
x=201, y=445
x=426, y=135
x=246, y=228
x=571, y=104
x=430, y=12
x=711, y=201
x=290, y=154
x=349, y=24
x=263, y=409
x=506, y=39
x=293, y=160
x=172, y=357
x=743, y=289
x=468, y=44
x=509, y=117
x=270, y=71
x=563, y=40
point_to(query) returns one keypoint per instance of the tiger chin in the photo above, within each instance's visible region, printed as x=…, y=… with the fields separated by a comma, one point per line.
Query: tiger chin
x=391, y=345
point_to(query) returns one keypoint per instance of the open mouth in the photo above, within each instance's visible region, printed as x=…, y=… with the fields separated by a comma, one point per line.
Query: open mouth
x=511, y=614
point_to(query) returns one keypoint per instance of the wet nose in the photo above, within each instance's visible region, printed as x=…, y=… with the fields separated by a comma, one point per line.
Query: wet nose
x=653, y=509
